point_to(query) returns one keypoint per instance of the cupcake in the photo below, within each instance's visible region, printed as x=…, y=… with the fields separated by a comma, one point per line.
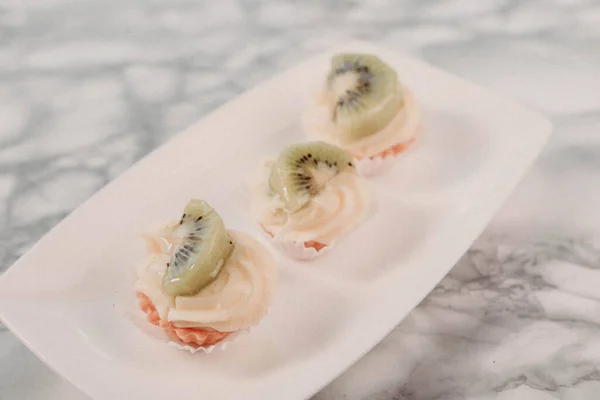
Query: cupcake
x=201, y=282
x=309, y=197
x=363, y=109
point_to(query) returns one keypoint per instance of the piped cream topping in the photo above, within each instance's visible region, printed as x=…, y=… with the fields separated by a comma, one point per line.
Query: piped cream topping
x=338, y=207
x=237, y=299
x=319, y=125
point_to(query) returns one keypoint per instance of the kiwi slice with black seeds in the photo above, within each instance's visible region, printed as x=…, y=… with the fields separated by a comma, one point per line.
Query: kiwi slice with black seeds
x=205, y=246
x=366, y=95
x=303, y=169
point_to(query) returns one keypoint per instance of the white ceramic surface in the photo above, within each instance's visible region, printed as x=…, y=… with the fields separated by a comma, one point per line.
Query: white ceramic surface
x=70, y=298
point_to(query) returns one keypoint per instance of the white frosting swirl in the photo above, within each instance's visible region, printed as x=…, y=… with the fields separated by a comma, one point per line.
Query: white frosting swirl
x=336, y=209
x=318, y=125
x=237, y=299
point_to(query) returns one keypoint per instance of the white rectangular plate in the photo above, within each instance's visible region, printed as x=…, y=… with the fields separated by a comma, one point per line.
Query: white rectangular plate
x=70, y=299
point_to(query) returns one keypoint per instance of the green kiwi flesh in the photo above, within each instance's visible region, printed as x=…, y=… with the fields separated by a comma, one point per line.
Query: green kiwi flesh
x=366, y=95
x=303, y=169
x=204, y=249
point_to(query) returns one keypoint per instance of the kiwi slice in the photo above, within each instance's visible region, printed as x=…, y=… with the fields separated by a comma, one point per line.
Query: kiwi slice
x=303, y=169
x=204, y=248
x=365, y=91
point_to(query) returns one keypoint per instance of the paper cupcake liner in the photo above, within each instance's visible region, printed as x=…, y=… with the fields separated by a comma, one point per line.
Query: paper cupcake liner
x=222, y=345
x=371, y=166
x=378, y=164
x=164, y=337
x=296, y=250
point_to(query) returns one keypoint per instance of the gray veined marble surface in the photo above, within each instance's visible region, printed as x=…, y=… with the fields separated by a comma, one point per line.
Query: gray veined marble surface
x=89, y=87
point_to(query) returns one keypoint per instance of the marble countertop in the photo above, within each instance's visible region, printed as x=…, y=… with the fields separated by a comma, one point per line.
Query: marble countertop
x=89, y=87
